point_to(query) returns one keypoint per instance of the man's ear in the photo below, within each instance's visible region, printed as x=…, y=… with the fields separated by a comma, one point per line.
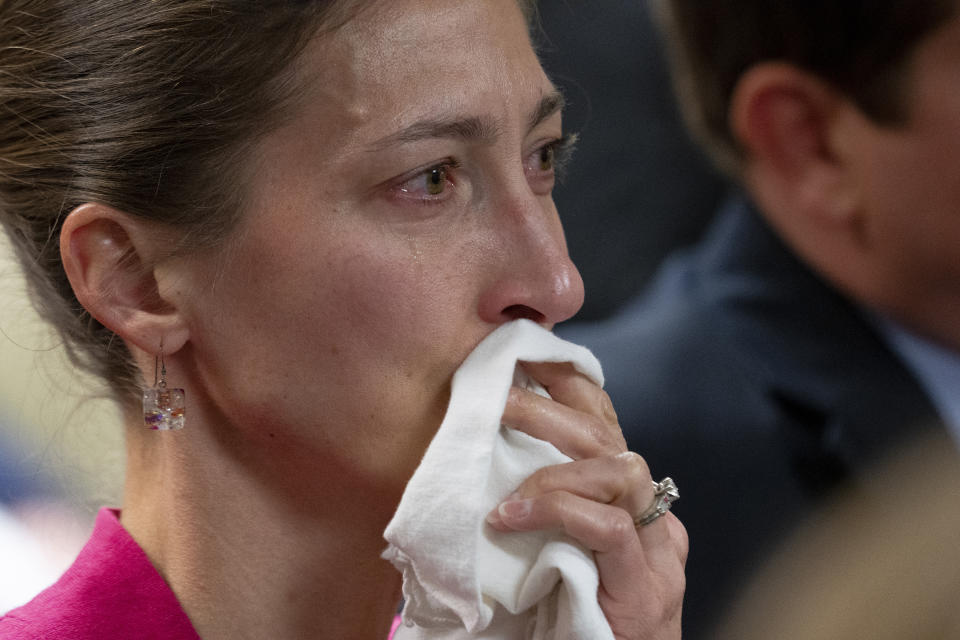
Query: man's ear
x=784, y=118
x=109, y=258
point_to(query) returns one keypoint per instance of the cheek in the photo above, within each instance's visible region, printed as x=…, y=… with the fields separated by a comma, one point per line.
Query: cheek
x=389, y=297
x=360, y=302
x=367, y=313
x=913, y=188
x=346, y=352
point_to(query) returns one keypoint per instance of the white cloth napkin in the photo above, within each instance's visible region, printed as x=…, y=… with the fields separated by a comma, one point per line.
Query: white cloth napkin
x=462, y=578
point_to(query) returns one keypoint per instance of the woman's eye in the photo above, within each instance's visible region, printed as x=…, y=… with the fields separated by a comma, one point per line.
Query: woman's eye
x=436, y=181
x=545, y=164
x=546, y=157
x=428, y=184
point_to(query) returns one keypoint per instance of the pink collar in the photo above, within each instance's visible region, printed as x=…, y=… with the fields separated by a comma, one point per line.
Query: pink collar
x=110, y=591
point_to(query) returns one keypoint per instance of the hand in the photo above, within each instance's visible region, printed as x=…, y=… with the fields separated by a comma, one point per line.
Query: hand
x=595, y=499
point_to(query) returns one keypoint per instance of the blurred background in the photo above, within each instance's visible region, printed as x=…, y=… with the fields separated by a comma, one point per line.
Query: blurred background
x=637, y=187
x=60, y=452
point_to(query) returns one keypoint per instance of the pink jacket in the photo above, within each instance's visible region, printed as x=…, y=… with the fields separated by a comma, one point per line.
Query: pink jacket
x=111, y=591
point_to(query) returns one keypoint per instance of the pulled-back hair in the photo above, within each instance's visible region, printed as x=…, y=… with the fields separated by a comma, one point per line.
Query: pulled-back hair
x=861, y=47
x=147, y=107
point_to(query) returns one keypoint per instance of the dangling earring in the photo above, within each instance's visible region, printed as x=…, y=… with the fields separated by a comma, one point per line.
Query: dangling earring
x=163, y=408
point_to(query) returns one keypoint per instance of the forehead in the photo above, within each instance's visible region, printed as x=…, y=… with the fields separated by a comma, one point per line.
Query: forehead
x=401, y=60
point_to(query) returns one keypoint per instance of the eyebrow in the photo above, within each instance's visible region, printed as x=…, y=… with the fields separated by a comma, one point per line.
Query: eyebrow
x=474, y=128
x=548, y=105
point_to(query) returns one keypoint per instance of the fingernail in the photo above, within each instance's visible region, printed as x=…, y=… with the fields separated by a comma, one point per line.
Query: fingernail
x=515, y=509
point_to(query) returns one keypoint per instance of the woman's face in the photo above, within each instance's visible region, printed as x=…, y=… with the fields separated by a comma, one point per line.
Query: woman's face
x=396, y=219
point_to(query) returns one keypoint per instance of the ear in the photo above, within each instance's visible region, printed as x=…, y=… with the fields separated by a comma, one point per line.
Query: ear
x=786, y=121
x=109, y=258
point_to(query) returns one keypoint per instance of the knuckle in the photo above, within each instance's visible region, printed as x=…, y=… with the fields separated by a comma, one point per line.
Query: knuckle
x=681, y=586
x=540, y=482
x=620, y=528
x=678, y=537
x=672, y=599
x=609, y=442
x=556, y=502
x=518, y=399
x=634, y=480
x=667, y=599
x=606, y=410
x=514, y=396
x=683, y=539
x=634, y=466
x=517, y=410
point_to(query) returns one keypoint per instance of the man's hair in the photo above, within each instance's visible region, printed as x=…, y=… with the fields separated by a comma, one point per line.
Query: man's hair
x=862, y=48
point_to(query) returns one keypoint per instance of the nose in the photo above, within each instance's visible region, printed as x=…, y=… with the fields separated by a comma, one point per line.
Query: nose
x=533, y=277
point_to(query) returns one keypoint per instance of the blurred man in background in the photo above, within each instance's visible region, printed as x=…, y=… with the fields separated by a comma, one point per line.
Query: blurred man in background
x=817, y=324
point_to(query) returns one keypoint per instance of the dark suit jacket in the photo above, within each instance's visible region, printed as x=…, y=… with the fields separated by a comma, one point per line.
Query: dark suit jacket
x=757, y=387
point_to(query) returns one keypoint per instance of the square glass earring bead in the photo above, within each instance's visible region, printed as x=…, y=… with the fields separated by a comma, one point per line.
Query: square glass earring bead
x=163, y=408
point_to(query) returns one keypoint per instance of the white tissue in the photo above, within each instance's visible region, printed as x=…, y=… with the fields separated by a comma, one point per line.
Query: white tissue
x=461, y=578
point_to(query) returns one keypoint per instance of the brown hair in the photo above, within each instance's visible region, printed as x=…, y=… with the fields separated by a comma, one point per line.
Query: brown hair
x=148, y=108
x=861, y=48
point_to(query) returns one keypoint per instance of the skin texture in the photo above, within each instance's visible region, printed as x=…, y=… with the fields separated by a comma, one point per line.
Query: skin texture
x=873, y=208
x=401, y=213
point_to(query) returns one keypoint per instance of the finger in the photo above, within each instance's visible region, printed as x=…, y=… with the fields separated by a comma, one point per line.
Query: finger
x=600, y=527
x=575, y=433
x=665, y=532
x=647, y=592
x=578, y=497
x=568, y=386
x=642, y=600
x=622, y=559
x=622, y=480
x=641, y=583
